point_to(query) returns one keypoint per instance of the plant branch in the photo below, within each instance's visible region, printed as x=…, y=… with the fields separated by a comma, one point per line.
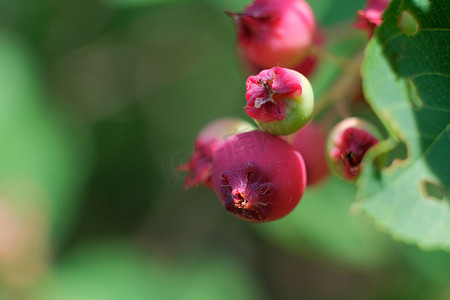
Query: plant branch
x=341, y=90
x=322, y=54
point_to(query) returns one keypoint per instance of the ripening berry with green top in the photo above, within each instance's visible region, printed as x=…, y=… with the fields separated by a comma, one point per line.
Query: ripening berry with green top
x=280, y=100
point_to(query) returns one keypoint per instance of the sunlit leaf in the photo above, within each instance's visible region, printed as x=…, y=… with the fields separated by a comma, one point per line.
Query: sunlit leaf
x=406, y=79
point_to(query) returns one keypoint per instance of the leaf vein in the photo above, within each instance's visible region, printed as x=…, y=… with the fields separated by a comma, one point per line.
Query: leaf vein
x=430, y=74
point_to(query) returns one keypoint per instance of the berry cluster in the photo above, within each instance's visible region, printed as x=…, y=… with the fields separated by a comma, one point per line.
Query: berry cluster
x=260, y=175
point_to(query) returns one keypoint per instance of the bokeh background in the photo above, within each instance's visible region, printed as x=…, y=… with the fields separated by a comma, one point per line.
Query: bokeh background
x=100, y=102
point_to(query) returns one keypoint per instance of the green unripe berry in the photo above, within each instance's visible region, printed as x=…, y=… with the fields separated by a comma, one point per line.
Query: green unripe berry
x=280, y=100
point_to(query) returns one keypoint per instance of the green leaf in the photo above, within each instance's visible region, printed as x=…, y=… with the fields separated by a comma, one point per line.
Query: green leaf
x=406, y=79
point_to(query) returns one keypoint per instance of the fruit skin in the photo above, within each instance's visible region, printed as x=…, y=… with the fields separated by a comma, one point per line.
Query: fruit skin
x=306, y=66
x=310, y=141
x=370, y=17
x=275, y=32
x=258, y=177
x=210, y=138
x=347, y=144
x=280, y=100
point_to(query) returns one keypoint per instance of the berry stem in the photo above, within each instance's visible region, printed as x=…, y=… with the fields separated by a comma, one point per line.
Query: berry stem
x=341, y=90
x=323, y=54
x=342, y=32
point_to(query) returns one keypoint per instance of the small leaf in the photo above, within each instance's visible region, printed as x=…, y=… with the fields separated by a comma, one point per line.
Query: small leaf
x=406, y=80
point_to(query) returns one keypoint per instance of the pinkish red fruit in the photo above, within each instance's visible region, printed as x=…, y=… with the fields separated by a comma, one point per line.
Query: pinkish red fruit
x=306, y=66
x=347, y=144
x=258, y=177
x=208, y=141
x=280, y=100
x=370, y=17
x=275, y=32
x=310, y=142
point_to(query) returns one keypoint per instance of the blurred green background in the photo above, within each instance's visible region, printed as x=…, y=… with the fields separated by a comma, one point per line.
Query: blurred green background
x=100, y=101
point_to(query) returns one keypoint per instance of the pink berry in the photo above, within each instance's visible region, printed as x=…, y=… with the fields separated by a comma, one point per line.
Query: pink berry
x=310, y=142
x=208, y=141
x=347, y=144
x=306, y=66
x=280, y=100
x=258, y=177
x=275, y=32
x=370, y=17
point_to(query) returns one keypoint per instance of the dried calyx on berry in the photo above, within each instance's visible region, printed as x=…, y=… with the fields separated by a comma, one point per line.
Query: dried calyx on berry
x=258, y=177
x=280, y=100
x=275, y=32
x=210, y=138
x=347, y=144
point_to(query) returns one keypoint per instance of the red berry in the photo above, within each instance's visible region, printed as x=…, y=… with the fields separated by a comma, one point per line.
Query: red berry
x=208, y=141
x=310, y=142
x=306, y=66
x=370, y=17
x=280, y=100
x=258, y=177
x=275, y=32
x=347, y=144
